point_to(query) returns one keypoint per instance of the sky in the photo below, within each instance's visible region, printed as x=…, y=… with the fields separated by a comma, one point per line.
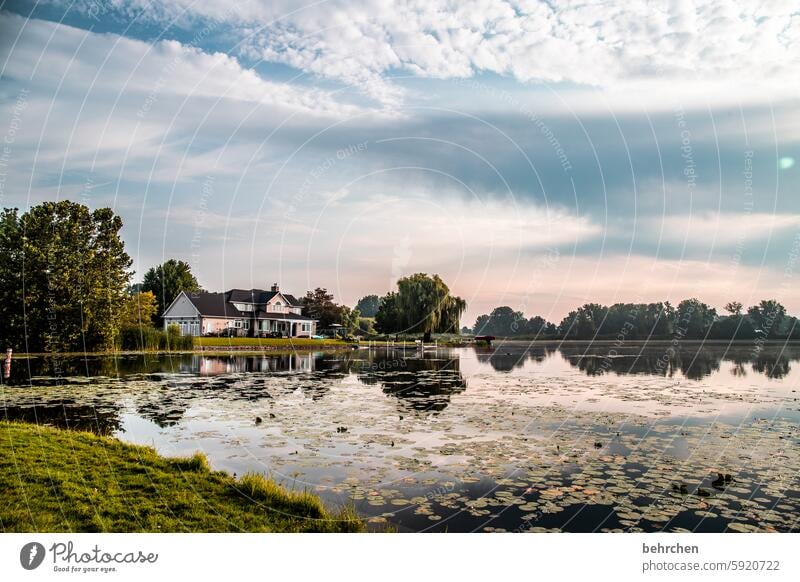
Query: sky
x=533, y=154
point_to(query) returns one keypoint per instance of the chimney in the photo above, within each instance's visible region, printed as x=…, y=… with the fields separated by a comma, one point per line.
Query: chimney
x=275, y=287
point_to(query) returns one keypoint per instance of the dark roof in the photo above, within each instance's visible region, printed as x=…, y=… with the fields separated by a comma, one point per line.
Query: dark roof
x=258, y=296
x=219, y=304
x=214, y=304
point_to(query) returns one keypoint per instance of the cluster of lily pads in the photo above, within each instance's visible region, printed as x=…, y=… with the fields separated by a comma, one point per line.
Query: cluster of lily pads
x=448, y=447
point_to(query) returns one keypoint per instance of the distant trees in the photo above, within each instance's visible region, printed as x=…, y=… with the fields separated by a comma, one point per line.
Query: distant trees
x=167, y=280
x=505, y=322
x=422, y=304
x=691, y=319
x=368, y=305
x=767, y=317
x=734, y=307
x=62, y=278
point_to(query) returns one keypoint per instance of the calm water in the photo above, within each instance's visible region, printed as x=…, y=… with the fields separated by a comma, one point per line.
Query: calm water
x=516, y=438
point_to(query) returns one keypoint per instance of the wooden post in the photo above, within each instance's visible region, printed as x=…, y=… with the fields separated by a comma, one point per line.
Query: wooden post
x=7, y=367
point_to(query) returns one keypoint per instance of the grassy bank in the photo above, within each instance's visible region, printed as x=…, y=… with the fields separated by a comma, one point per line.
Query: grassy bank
x=298, y=342
x=53, y=480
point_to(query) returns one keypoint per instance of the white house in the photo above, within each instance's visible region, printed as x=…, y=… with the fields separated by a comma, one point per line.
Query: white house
x=241, y=312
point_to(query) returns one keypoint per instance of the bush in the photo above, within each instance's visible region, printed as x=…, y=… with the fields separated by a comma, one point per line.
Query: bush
x=149, y=339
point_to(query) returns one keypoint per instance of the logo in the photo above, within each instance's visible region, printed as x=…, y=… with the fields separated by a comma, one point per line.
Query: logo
x=31, y=555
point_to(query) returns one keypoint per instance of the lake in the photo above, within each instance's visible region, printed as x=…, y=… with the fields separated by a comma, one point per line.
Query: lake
x=519, y=437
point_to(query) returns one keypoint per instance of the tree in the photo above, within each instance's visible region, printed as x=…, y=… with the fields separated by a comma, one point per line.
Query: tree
x=12, y=324
x=767, y=316
x=734, y=307
x=426, y=306
x=71, y=275
x=366, y=326
x=167, y=280
x=368, y=305
x=502, y=321
x=387, y=319
x=481, y=325
x=693, y=318
x=349, y=319
x=538, y=326
x=319, y=305
x=110, y=276
x=138, y=309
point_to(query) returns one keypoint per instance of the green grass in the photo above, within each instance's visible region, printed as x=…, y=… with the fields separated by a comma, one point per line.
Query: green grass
x=54, y=480
x=266, y=342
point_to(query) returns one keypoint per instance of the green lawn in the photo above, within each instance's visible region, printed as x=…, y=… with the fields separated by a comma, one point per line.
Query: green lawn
x=266, y=342
x=54, y=480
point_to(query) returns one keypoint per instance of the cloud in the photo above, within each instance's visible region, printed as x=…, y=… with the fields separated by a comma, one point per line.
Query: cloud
x=600, y=44
x=718, y=229
x=149, y=112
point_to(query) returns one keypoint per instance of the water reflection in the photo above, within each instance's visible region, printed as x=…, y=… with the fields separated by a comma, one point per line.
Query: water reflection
x=167, y=386
x=515, y=437
x=693, y=361
x=102, y=418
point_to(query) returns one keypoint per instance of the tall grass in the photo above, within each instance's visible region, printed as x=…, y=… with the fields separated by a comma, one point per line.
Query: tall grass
x=149, y=339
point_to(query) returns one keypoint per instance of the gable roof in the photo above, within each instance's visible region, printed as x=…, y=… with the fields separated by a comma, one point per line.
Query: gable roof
x=259, y=296
x=219, y=304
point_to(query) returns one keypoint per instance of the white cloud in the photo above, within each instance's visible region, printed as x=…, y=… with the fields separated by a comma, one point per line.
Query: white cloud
x=597, y=43
x=132, y=110
x=717, y=229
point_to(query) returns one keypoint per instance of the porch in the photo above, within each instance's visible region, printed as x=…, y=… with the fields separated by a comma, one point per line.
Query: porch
x=283, y=328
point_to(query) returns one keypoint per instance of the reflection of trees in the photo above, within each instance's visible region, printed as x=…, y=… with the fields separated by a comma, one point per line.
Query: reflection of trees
x=423, y=383
x=771, y=365
x=504, y=358
x=694, y=361
x=739, y=370
x=102, y=419
x=659, y=360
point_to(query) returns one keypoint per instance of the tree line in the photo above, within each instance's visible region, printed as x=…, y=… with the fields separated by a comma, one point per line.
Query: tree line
x=65, y=284
x=690, y=319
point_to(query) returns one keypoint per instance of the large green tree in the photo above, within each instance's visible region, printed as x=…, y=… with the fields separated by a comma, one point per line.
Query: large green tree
x=368, y=305
x=422, y=304
x=71, y=271
x=319, y=304
x=12, y=323
x=167, y=280
x=387, y=318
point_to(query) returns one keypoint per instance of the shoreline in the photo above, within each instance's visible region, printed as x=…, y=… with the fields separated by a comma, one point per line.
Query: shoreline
x=287, y=347
x=51, y=481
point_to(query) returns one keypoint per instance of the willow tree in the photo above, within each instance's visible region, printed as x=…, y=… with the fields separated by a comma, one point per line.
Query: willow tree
x=424, y=305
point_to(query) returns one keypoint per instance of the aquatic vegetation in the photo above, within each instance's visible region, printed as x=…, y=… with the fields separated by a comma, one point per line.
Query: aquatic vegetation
x=446, y=441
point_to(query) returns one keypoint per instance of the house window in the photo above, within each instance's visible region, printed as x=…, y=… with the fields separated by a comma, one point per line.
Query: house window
x=237, y=323
x=247, y=324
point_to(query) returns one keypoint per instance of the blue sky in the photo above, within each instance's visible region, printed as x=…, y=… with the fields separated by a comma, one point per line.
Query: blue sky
x=534, y=154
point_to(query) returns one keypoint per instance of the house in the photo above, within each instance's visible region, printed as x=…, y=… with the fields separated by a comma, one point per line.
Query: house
x=239, y=312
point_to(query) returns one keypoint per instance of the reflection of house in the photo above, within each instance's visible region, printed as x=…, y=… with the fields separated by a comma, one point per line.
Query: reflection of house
x=215, y=365
x=240, y=312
